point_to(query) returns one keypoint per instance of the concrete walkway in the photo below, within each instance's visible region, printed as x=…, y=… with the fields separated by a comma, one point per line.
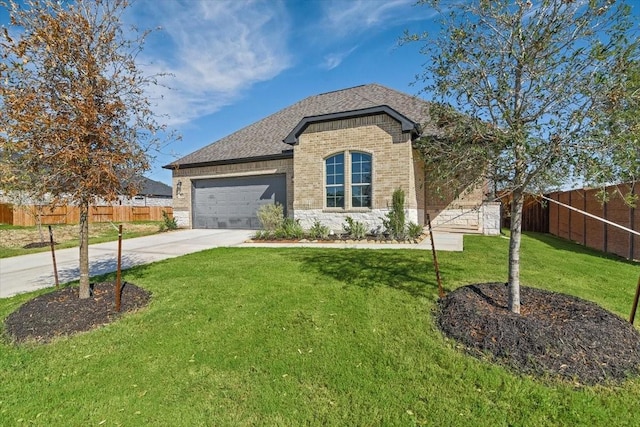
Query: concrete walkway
x=28, y=273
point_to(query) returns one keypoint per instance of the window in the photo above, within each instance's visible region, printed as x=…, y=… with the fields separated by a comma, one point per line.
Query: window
x=359, y=190
x=335, y=181
x=360, y=180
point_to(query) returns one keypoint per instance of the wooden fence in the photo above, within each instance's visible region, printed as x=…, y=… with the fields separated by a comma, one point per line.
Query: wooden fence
x=27, y=215
x=549, y=217
x=535, y=214
x=571, y=225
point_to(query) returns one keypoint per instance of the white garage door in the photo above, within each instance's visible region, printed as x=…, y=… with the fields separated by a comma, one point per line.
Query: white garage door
x=234, y=202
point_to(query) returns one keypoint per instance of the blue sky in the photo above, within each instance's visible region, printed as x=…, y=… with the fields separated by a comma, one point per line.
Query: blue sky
x=236, y=62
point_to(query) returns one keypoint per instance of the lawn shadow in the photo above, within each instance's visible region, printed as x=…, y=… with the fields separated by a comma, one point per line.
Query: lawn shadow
x=408, y=271
x=98, y=266
x=560, y=244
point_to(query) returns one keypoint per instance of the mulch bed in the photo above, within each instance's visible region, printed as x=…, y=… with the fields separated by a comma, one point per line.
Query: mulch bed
x=555, y=335
x=61, y=312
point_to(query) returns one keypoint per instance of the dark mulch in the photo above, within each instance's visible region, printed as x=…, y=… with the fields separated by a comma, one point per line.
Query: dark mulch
x=62, y=313
x=555, y=335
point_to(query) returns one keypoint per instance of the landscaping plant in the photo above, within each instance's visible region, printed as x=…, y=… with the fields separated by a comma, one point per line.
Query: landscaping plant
x=319, y=231
x=289, y=229
x=168, y=223
x=414, y=230
x=354, y=229
x=271, y=216
x=394, y=223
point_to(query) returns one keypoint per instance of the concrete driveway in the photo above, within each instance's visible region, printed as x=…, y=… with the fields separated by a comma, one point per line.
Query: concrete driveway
x=28, y=273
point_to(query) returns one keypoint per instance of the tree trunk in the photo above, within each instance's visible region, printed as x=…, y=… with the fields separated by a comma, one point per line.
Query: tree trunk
x=84, y=251
x=514, y=251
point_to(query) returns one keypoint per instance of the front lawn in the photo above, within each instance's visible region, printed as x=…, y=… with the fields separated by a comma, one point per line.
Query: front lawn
x=237, y=336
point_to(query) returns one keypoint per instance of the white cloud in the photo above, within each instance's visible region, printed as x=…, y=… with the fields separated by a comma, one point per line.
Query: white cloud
x=332, y=60
x=357, y=16
x=214, y=49
x=358, y=20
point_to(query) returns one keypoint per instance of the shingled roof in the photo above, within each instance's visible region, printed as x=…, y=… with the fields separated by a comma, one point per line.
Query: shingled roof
x=264, y=139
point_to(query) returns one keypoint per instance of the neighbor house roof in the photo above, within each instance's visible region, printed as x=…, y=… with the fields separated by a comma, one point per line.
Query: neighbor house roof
x=150, y=187
x=265, y=139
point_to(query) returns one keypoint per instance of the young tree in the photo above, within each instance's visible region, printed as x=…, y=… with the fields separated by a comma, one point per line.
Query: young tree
x=74, y=119
x=522, y=87
x=621, y=115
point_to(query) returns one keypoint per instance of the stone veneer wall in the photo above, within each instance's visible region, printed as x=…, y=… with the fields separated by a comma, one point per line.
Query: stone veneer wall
x=182, y=201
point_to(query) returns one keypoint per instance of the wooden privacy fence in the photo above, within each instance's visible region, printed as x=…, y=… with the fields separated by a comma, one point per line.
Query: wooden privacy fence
x=535, y=215
x=571, y=225
x=549, y=217
x=27, y=215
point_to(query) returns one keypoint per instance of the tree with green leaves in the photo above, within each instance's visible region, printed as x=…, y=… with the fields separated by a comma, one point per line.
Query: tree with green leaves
x=524, y=93
x=75, y=123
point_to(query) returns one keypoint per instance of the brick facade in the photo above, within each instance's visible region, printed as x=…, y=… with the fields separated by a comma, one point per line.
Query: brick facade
x=395, y=164
x=392, y=167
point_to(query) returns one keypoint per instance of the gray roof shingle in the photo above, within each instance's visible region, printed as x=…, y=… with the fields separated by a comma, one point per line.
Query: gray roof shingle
x=149, y=187
x=264, y=137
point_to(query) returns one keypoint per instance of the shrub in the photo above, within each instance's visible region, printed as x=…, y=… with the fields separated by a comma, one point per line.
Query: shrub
x=319, y=231
x=290, y=229
x=167, y=222
x=263, y=235
x=271, y=216
x=414, y=230
x=394, y=223
x=355, y=229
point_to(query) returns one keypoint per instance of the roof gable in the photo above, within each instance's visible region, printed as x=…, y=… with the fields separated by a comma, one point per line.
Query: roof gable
x=149, y=187
x=406, y=124
x=265, y=138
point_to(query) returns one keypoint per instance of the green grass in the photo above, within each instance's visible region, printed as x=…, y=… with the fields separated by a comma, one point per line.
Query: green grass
x=287, y=337
x=107, y=234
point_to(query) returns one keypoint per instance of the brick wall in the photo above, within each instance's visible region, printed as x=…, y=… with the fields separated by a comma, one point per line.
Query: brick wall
x=378, y=135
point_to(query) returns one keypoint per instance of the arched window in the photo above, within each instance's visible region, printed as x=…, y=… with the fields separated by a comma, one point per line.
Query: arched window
x=334, y=167
x=360, y=180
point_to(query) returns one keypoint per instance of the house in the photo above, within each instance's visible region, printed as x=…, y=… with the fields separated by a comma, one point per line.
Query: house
x=324, y=158
x=152, y=193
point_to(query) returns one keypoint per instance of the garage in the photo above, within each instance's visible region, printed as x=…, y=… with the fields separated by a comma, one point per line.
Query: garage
x=234, y=202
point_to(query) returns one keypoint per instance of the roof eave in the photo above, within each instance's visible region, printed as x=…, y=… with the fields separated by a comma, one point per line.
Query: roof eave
x=284, y=155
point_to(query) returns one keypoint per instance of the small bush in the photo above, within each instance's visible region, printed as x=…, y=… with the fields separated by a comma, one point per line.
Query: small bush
x=263, y=235
x=290, y=229
x=394, y=223
x=271, y=216
x=355, y=229
x=414, y=230
x=167, y=222
x=319, y=231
